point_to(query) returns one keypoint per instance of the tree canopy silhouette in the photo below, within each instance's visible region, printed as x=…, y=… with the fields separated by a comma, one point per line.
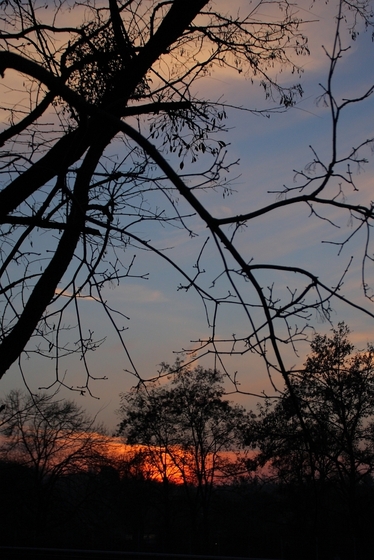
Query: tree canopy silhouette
x=104, y=133
x=333, y=440
x=187, y=428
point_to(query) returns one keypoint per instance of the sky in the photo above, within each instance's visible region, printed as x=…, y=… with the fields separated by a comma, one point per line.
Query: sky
x=163, y=319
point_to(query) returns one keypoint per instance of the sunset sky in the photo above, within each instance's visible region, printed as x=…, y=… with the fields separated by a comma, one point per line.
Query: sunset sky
x=164, y=319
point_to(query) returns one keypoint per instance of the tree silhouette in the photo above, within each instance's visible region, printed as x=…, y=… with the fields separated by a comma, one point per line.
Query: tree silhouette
x=186, y=426
x=335, y=392
x=107, y=139
x=331, y=449
x=52, y=437
x=53, y=440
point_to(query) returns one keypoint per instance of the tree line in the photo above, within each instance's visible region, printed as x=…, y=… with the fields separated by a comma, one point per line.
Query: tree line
x=201, y=474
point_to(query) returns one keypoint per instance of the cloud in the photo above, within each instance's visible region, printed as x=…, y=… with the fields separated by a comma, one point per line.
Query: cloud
x=69, y=294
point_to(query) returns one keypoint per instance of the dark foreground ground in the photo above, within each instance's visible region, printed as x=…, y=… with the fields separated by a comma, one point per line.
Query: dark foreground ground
x=62, y=554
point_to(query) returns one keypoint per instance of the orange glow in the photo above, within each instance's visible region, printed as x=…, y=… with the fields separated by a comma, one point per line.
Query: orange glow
x=92, y=451
x=153, y=463
x=172, y=464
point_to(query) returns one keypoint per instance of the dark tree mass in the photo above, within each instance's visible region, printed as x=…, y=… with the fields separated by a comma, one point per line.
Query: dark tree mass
x=105, y=132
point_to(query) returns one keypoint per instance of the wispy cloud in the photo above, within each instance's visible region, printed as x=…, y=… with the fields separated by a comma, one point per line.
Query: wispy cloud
x=69, y=294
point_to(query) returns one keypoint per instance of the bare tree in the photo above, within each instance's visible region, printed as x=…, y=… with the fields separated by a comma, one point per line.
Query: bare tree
x=103, y=103
x=56, y=441
x=54, y=438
